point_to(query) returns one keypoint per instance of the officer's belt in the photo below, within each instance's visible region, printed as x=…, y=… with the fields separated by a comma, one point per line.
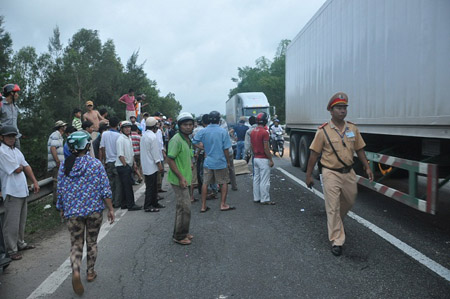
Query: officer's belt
x=346, y=169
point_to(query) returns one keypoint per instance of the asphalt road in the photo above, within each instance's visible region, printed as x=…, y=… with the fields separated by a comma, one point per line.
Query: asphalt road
x=255, y=251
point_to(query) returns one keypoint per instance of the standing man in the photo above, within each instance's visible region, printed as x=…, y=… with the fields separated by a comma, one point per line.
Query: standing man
x=125, y=165
x=108, y=156
x=247, y=143
x=8, y=109
x=76, y=122
x=180, y=175
x=216, y=142
x=93, y=116
x=136, y=141
x=162, y=150
x=151, y=164
x=262, y=161
x=55, y=153
x=143, y=121
x=337, y=141
x=129, y=100
x=240, y=131
x=13, y=169
x=139, y=105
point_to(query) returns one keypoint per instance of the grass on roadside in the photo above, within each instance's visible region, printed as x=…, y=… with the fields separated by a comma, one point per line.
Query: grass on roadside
x=40, y=220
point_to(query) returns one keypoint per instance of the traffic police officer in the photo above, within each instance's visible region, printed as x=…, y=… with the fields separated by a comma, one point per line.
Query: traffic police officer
x=338, y=177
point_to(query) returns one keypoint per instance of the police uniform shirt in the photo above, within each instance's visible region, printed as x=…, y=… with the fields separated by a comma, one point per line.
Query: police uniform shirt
x=345, y=143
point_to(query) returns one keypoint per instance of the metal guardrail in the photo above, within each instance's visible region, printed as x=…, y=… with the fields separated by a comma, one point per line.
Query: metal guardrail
x=46, y=188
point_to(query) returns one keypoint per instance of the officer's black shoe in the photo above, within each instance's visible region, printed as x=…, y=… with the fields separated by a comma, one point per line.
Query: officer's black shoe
x=336, y=250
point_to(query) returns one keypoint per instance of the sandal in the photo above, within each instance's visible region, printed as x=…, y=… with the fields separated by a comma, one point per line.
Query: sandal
x=189, y=236
x=205, y=210
x=268, y=203
x=15, y=256
x=91, y=276
x=185, y=241
x=152, y=210
x=230, y=208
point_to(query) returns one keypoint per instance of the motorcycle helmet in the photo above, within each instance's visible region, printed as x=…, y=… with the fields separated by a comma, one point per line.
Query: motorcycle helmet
x=8, y=88
x=261, y=118
x=199, y=119
x=124, y=124
x=78, y=141
x=214, y=117
x=184, y=116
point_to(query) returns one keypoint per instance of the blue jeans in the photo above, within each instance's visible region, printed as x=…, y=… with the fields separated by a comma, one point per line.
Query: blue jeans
x=240, y=150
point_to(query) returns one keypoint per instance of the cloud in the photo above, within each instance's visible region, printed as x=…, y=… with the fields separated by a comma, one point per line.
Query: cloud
x=191, y=48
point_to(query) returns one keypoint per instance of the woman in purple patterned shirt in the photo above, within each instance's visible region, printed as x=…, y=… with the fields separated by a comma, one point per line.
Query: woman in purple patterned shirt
x=83, y=190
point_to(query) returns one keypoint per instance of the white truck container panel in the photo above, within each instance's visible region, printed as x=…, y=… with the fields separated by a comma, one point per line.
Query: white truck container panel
x=392, y=58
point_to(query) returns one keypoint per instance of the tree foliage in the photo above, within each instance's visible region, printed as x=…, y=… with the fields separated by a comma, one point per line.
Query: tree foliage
x=5, y=51
x=267, y=76
x=65, y=77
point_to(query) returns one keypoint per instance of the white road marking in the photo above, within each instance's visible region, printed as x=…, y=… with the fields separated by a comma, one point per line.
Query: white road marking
x=54, y=280
x=405, y=248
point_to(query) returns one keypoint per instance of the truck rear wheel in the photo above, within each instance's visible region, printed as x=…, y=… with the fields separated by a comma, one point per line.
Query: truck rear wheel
x=293, y=149
x=305, y=142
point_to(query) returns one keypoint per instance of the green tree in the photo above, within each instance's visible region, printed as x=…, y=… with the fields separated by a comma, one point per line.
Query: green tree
x=5, y=52
x=108, y=77
x=268, y=77
x=54, y=83
x=27, y=69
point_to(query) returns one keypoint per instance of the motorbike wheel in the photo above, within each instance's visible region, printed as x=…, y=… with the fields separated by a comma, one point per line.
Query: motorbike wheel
x=281, y=151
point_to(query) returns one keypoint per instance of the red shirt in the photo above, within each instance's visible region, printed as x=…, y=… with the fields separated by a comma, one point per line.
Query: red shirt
x=257, y=138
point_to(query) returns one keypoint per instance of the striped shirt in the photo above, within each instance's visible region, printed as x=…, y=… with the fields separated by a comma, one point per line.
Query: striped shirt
x=136, y=141
x=76, y=123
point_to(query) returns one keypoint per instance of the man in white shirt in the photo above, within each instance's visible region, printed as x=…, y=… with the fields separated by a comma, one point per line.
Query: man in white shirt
x=144, y=119
x=151, y=165
x=108, y=156
x=13, y=169
x=125, y=165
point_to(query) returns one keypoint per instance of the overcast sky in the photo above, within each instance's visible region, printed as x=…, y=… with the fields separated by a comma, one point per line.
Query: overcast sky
x=191, y=48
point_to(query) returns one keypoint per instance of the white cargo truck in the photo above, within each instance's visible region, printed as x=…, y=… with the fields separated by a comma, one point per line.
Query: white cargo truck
x=246, y=104
x=392, y=58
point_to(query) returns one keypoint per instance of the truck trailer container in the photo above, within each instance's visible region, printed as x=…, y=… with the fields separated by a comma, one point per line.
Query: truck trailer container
x=392, y=58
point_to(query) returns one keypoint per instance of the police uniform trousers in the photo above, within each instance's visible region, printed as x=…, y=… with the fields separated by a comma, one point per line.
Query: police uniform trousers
x=340, y=192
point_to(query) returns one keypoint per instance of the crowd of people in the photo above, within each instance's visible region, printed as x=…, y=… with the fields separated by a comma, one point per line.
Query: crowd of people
x=103, y=157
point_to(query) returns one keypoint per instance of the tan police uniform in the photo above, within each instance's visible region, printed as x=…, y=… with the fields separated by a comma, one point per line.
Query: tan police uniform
x=339, y=187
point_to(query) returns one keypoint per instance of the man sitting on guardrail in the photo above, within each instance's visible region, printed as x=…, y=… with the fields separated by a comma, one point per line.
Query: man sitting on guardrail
x=13, y=169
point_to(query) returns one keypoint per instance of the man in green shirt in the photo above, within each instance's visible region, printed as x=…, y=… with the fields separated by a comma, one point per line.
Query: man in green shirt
x=180, y=156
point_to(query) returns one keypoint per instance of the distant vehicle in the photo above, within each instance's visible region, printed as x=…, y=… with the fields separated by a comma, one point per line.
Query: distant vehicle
x=394, y=64
x=246, y=104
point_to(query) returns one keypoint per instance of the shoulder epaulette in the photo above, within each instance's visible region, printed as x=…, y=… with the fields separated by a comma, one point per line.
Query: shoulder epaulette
x=350, y=122
x=323, y=125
